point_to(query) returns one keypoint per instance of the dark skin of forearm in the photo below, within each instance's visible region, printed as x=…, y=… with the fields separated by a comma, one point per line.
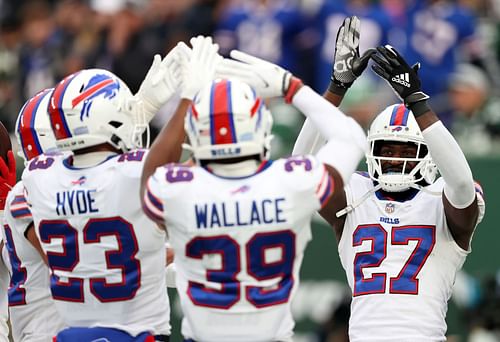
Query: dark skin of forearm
x=167, y=147
x=334, y=99
x=32, y=238
x=427, y=119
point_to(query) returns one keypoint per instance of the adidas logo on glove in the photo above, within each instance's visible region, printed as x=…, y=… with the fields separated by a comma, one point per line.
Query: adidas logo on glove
x=402, y=79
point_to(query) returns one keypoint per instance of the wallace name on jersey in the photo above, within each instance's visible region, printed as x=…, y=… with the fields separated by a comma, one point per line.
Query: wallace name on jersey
x=240, y=214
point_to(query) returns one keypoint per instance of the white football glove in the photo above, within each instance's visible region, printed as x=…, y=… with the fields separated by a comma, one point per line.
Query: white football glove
x=348, y=65
x=161, y=82
x=198, y=67
x=268, y=79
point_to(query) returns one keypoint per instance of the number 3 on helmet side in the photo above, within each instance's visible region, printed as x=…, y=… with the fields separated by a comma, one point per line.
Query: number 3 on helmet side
x=406, y=282
x=229, y=292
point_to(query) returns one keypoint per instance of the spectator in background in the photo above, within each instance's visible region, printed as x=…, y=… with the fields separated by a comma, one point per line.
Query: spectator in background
x=192, y=18
x=476, y=111
x=439, y=34
x=168, y=22
x=40, y=55
x=269, y=29
x=275, y=30
x=375, y=25
x=9, y=71
x=77, y=34
x=484, y=319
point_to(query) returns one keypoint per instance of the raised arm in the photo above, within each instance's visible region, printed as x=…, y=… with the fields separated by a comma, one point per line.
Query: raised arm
x=346, y=140
x=347, y=66
x=197, y=69
x=459, y=195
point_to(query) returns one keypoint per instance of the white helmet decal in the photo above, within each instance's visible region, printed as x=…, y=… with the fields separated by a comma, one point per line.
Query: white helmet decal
x=92, y=107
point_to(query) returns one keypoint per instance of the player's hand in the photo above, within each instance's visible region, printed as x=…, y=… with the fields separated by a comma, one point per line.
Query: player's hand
x=198, y=67
x=402, y=78
x=268, y=79
x=161, y=82
x=7, y=177
x=347, y=64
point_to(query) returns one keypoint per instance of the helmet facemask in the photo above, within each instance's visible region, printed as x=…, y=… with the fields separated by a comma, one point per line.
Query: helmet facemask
x=399, y=180
x=386, y=130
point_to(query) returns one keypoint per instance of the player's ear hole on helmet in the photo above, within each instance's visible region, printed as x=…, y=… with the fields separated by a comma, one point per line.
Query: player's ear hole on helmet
x=115, y=139
x=115, y=124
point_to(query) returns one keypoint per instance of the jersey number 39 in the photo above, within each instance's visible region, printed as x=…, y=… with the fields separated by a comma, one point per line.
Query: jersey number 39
x=256, y=265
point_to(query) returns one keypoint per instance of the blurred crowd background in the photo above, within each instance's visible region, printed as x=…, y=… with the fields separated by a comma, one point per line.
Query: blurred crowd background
x=457, y=43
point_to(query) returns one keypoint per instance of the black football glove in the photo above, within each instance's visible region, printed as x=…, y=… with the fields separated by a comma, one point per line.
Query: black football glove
x=402, y=78
x=347, y=64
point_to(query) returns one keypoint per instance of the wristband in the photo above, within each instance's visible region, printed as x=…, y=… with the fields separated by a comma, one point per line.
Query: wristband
x=293, y=87
x=336, y=88
x=417, y=103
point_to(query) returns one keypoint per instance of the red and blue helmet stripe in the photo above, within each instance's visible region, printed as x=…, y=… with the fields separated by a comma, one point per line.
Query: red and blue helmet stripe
x=56, y=113
x=399, y=115
x=26, y=125
x=221, y=114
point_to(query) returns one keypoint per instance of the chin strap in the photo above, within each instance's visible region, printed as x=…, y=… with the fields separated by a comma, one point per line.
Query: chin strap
x=351, y=207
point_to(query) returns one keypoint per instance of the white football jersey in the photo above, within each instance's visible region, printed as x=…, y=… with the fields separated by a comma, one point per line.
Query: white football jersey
x=106, y=256
x=4, y=285
x=239, y=244
x=400, y=260
x=33, y=315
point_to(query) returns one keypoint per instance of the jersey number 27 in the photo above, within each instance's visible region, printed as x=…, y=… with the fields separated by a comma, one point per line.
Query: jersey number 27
x=406, y=282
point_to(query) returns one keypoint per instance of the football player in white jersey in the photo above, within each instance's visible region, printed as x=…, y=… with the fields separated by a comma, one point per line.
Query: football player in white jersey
x=402, y=233
x=7, y=181
x=4, y=285
x=238, y=222
x=33, y=315
x=107, y=259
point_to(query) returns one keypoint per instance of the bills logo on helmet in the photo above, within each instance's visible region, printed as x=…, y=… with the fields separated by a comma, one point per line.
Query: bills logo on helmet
x=99, y=84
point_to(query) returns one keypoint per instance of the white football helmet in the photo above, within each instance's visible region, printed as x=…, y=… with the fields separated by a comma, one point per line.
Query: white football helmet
x=33, y=131
x=92, y=107
x=228, y=120
x=397, y=123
